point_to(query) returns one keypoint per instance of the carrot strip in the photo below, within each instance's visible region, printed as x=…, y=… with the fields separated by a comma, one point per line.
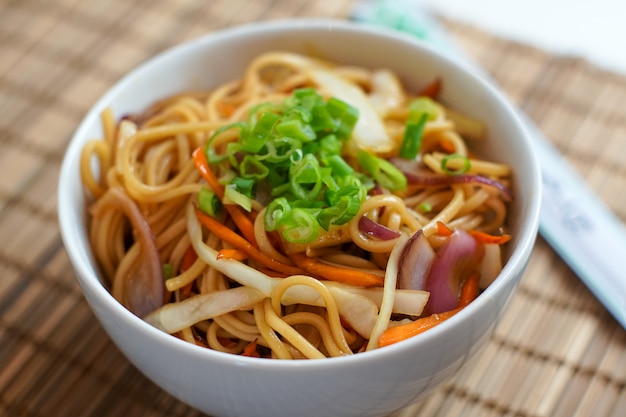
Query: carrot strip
x=469, y=291
x=235, y=254
x=202, y=165
x=443, y=230
x=250, y=350
x=243, y=222
x=334, y=273
x=483, y=237
x=447, y=146
x=431, y=90
x=242, y=244
x=185, y=291
x=399, y=333
x=226, y=109
x=189, y=258
x=225, y=341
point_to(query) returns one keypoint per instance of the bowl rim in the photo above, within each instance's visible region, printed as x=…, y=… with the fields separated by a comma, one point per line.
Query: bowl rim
x=84, y=270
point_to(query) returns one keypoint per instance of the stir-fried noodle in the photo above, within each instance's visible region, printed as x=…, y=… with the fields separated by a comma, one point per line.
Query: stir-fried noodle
x=299, y=212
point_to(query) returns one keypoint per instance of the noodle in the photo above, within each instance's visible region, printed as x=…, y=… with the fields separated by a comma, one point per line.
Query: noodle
x=295, y=139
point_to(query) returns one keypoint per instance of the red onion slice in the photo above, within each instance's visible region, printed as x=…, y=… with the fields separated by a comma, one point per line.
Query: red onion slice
x=415, y=262
x=455, y=260
x=144, y=287
x=416, y=175
x=377, y=230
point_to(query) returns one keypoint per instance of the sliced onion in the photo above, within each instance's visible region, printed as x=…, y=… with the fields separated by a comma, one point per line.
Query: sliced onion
x=377, y=230
x=491, y=265
x=455, y=260
x=369, y=132
x=386, y=91
x=176, y=316
x=144, y=286
x=415, y=262
x=416, y=175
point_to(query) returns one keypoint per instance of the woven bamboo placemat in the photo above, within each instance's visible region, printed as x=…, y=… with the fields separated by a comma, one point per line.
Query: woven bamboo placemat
x=556, y=352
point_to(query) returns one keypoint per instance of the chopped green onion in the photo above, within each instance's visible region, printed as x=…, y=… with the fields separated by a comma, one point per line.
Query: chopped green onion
x=298, y=112
x=294, y=151
x=344, y=115
x=349, y=190
x=383, y=172
x=279, y=150
x=339, y=166
x=260, y=132
x=260, y=109
x=425, y=207
x=366, y=181
x=233, y=150
x=299, y=226
x=421, y=106
x=252, y=167
x=330, y=145
x=168, y=271
x=244, y=185
x=296, y=129
x=446, y=160
x=305, y=178
x=233, y=196
x=328, y=179
x=212, y=155
x=321, y=119
x=275, y=212
x=283, y=189
x=209, y=202
x=340, y=213
x=296, y=156
x=307, y=204
x=412, y=140
x=227, y=176
x=308, y=98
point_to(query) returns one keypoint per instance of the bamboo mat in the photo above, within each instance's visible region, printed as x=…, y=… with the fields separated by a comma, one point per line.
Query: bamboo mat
x=556, y=352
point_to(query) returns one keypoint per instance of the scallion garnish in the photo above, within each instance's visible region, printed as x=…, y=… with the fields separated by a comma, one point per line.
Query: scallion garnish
x=344, y=209
x=412, y=140
x=244, y=185
x=456, y=168
x=275, y=212
x=260, y=132
x=421, y=110
x=234, y=196
x=305, y=178
x=425, y=207
x=344, y=115
x=300, y=225
x=385, y=173
x=421, y=106
x=209, y=202
x=296, y=129
x=295, y=149
x=252, y=167
x=168, y=271
x=214, y=157
x=338, y=165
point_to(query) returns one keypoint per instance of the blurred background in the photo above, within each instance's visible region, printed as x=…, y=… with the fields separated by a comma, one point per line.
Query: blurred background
x=594, y=30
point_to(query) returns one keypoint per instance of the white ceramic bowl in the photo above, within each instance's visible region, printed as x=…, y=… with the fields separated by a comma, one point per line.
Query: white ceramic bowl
x=368, y=384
